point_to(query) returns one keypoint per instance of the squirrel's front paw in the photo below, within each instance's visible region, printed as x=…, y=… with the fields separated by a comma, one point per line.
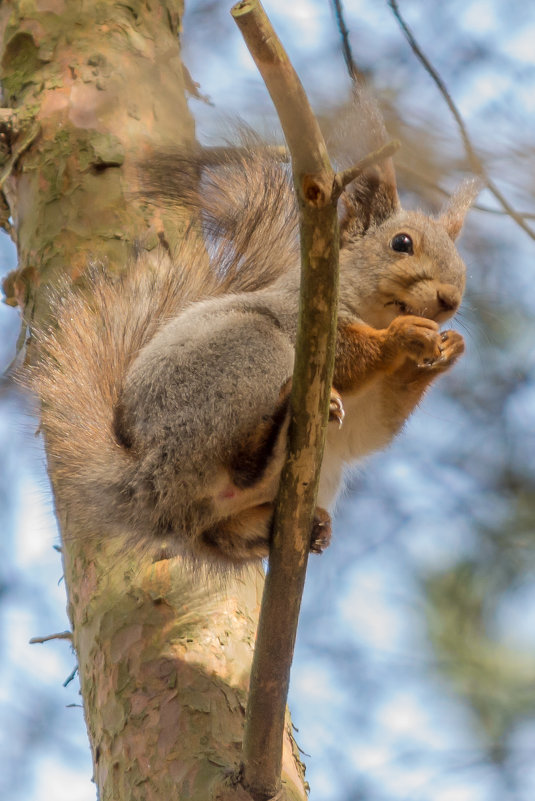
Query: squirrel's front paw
x=452, y=346
x=415, y=338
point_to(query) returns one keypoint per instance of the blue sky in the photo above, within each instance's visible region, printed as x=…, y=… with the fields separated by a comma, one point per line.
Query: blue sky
x=371, y=711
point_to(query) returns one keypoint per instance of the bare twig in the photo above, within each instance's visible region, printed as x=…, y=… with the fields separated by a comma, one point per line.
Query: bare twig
x=314, y=181
x=342, y=179
x=420, y=178
x=70, y=678
x=526, y=215
x=347, y=52
x=62, y=635
x=475, y=162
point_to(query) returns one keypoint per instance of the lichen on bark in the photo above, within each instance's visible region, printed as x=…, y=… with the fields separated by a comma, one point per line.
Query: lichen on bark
x=163, y=660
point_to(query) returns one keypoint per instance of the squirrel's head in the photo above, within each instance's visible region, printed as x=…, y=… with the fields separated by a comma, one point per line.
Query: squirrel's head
x=402, y=262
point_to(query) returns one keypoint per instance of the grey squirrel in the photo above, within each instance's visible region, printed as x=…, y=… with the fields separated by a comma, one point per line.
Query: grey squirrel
x=165, y=393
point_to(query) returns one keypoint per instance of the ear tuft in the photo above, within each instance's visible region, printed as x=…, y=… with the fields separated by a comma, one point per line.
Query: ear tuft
x=372, y=197
x=368, y=201
x=454, y=212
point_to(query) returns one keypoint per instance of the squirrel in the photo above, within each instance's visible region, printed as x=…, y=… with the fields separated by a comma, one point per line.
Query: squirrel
x=165, y=393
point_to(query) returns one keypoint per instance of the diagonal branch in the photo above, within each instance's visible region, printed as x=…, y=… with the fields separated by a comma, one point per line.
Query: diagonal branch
x=475, y=162
x=342, y=179
x=312, y=379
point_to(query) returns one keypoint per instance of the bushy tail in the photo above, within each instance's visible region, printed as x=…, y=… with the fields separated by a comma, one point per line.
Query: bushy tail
x=82, y=360
x=246, y=199
x=249, y=225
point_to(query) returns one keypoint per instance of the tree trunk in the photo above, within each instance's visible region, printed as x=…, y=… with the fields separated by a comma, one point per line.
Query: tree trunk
x=164, y=657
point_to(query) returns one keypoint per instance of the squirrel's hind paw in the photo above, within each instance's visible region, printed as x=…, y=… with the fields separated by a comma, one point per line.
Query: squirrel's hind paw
x=321, y=531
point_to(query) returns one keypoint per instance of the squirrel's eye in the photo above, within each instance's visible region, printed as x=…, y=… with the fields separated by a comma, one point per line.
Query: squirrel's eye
x=402, y=243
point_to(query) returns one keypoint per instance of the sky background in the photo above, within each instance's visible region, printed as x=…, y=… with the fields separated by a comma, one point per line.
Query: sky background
x=415, y=663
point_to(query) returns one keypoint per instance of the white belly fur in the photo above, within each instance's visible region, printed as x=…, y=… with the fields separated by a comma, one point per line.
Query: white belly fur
x=364, y=431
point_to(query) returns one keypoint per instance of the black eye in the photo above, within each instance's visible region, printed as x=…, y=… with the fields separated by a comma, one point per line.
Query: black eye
x=402, y=243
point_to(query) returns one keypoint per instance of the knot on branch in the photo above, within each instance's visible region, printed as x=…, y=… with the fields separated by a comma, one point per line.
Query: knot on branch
x=17, y=286
x=316, y=192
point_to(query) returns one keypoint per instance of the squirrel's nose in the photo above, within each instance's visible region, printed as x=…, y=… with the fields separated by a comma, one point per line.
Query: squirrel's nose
x=448, y=298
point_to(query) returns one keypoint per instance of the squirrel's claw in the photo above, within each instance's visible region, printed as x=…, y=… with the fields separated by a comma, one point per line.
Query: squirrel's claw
x=452, y=346
x=320, y=537
x=336, y=408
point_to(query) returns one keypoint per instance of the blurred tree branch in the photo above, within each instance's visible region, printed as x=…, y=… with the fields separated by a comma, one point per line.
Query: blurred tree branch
x=476, y=163
x=429, y=182
x=347, y=52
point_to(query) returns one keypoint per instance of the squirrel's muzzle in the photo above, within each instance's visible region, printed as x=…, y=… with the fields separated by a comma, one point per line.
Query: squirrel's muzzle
x=430, y=299
x=448, y=298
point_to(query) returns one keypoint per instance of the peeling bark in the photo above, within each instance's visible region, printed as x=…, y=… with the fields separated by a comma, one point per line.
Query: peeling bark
x=164, y=657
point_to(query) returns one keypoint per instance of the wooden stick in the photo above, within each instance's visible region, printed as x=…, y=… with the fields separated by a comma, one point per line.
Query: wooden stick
x=62, y=635
x=312, y=379
x=342, y=179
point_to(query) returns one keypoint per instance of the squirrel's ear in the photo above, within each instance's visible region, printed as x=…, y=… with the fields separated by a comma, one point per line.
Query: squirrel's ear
x=454, y=212
x=369, y=200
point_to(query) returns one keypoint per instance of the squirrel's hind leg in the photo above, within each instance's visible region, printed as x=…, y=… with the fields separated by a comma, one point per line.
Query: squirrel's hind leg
x=254, y=468
x=247, y=535
x=240, y=538
x=264, y=445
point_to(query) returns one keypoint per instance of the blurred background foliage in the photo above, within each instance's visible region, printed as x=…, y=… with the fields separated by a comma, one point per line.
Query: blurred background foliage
x=414, y=675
